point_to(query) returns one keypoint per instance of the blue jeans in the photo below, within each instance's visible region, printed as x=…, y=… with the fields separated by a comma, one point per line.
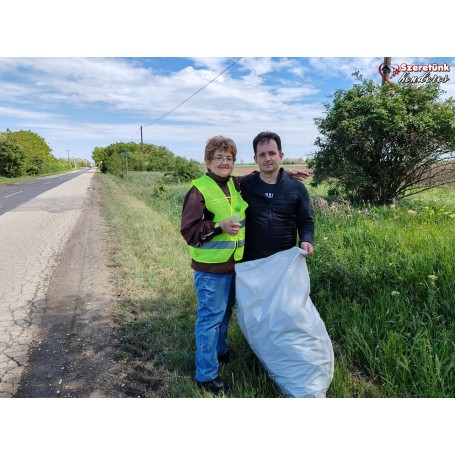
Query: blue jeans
x=216, y=298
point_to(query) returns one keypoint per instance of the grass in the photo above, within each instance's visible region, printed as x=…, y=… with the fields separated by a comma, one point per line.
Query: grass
x=382, y=279
x=151, y=265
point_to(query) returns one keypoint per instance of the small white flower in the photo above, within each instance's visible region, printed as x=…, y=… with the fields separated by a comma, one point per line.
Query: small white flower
x=432, y=277
x=394, y=293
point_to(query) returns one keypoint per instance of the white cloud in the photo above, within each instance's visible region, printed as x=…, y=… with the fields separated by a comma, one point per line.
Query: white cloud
x=27, y=114
x=90, y=102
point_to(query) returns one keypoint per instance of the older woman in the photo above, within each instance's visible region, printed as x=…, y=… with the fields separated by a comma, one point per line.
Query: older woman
x=213, y=225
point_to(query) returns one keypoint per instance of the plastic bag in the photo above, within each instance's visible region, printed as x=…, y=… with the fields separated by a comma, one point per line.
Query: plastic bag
x=281, y=324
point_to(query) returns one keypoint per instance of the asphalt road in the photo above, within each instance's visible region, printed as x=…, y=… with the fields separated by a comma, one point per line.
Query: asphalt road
x=36, y=222
x=14, y=194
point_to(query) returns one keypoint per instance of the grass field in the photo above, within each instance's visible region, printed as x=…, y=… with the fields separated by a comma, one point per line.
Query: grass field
x=382, y=279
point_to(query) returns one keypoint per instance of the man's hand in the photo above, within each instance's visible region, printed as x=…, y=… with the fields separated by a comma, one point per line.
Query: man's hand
x=297, y=174
x=307, y=247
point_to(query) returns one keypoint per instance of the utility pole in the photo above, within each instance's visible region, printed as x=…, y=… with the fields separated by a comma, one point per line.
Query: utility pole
x=386, y=69
x=142, y=142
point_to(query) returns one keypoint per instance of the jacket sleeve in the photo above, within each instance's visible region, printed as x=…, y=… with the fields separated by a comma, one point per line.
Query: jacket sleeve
x=196, y=225
x=237, y=180
x=305, y=223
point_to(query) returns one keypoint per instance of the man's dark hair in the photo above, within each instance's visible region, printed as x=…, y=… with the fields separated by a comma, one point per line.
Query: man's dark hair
x=265, y=136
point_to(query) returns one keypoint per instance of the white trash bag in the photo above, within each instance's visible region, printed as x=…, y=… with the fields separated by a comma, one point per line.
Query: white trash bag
x=281, y=324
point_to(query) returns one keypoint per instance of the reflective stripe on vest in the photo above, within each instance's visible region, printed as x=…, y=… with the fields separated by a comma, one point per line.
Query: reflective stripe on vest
x=221, y=247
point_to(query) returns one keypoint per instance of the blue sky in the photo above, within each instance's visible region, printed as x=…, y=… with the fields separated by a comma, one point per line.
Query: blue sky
x=78, y=103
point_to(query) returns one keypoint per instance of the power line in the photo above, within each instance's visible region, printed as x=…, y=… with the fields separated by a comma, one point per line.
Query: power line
x=195, y=93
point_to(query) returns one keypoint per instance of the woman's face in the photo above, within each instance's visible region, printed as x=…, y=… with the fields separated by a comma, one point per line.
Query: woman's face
x=222, y=163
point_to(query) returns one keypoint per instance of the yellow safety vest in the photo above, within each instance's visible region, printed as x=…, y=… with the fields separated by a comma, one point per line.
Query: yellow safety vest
x=220, y=248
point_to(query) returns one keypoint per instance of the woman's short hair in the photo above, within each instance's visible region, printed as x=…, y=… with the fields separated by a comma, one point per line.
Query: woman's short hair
x=222, y=143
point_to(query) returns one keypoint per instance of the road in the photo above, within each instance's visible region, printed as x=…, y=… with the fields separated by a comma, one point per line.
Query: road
x=56, y=328
x=15, y=194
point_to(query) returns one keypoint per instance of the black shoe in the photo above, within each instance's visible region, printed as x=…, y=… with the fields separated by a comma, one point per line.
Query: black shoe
x=216, y=386
x=226, y=357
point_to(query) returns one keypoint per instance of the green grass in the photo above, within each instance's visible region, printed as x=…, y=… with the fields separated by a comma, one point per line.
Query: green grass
x=151, y=267
x=372, y=281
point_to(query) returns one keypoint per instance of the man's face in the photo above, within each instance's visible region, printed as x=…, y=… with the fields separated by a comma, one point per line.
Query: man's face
x=268, y=157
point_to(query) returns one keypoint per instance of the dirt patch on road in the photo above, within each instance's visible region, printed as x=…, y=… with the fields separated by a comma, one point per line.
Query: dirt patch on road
x=74, y=353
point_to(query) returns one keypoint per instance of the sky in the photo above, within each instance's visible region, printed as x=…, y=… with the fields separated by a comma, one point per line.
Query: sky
x=78, y=103
x=92, y=76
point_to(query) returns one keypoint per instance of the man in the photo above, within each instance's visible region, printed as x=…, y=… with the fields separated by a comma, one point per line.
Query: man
x=278, y=205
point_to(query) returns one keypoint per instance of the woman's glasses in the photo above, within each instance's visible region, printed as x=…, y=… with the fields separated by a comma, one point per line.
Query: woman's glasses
x=220, y=159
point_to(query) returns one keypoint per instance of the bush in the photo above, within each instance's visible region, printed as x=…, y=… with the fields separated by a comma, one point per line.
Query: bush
x=185, y=170
x=12, y=159
x=160, y=190
x=380, y=145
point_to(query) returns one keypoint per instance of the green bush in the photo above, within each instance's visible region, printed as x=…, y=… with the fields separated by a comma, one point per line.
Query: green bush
x=160, y=190
x=185, y=170
x=379, y=144
x=12, y=159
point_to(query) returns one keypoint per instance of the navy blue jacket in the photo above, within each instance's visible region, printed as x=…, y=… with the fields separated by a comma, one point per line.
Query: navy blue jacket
x=272, y=225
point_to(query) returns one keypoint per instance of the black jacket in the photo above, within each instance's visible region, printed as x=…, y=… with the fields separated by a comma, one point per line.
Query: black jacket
x=272, y=225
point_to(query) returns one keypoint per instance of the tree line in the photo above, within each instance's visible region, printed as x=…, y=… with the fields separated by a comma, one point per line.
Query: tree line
x=378, y=144
x=145, y=157
x=26, y=153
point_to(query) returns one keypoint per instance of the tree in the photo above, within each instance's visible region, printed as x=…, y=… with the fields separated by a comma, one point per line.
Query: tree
x=99, y=155
x=152, y=158
x=381, y=144
x=161, y=158
x=185, y=170
x=12, y=159
x=37, y=151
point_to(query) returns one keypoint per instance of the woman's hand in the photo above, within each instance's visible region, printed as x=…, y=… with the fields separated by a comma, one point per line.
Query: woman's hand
x=230, y=227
